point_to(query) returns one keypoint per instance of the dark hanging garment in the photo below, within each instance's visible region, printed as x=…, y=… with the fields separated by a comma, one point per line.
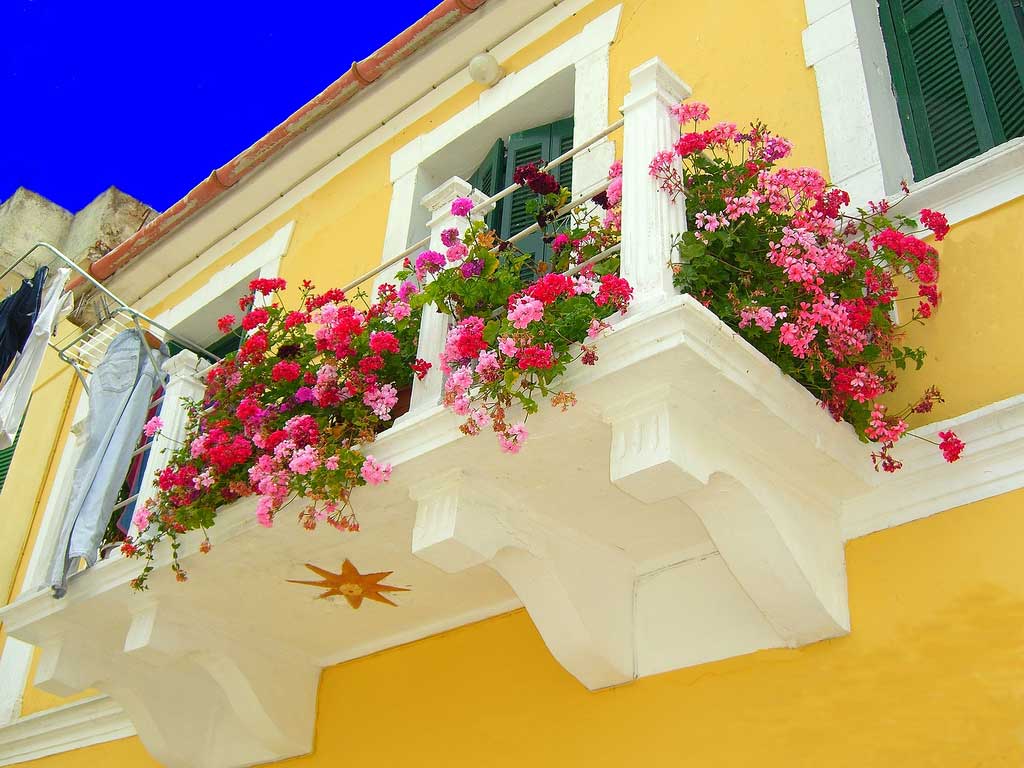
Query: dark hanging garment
x=18, y=314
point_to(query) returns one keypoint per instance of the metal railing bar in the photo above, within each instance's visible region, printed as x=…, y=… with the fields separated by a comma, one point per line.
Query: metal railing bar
x=582, y=198
x=585, y=145
x=385, y=265
x=490, y=200
x=557, y=161
x=142, y=449
x=125, y=503
x=594, y=259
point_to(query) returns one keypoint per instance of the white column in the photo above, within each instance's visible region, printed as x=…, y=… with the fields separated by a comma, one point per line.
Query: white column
x=649, y=219
x=184, y=381
x=426, y=392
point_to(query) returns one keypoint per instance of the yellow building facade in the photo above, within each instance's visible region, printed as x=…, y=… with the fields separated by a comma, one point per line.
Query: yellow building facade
x=926, y=672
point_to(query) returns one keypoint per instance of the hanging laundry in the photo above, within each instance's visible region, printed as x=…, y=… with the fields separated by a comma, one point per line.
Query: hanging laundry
x=18, y=314
x=17, y=388
x=120, y=391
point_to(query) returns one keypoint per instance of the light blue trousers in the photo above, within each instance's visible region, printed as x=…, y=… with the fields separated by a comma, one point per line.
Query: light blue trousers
x=120, y=391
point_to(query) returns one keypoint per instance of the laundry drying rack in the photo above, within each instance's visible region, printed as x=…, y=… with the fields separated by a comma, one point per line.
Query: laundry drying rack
x=83, y=350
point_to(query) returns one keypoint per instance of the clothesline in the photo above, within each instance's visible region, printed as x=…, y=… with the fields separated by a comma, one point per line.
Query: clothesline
x=83, y=350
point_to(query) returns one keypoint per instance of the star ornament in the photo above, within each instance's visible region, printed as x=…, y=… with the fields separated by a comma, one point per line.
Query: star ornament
x=351, y=584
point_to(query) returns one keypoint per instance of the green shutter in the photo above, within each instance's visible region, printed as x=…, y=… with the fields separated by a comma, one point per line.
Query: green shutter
x=226, y=344
x=958, y=75
x=561, y=142
x=545, y=142
x=993, y=27
x=488, y=177
x=7, y=456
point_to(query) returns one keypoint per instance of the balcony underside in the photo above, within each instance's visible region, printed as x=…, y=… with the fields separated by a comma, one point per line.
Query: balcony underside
x=686, y=510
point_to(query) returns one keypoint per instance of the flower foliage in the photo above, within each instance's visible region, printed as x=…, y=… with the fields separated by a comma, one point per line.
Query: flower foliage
x=773, y=252
x=518, y=324
x=290, y=414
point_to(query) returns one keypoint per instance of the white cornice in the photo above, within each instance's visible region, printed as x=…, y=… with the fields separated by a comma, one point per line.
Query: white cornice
x=72, y=726
x=974, y=186
x=991, y=464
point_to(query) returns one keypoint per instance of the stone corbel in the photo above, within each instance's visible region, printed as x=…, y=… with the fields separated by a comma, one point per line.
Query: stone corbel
x=196, y=696
x=579, y=593
x=784, y=546
x=65, y=667
x=270, y=694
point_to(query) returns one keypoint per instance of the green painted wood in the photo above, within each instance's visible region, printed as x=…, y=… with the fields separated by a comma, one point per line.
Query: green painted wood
x=488, y=178
x=7, y=456
x=543, y=143
x=957, y=74
x=225, y=345
x=997, y=47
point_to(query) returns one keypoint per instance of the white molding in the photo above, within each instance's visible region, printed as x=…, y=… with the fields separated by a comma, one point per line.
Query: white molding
x=72, y=726
x=843, y=42
x=16, y=657
x=974, y=186
x=867, y=154
x=594, y=37
x=407, y=219
x=991, y=464
x=378, y=131
x=15, y=663
x=264, y=260
x=579, y=593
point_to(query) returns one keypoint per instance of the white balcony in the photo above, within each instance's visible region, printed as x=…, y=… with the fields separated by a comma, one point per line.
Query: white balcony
x=687, y=510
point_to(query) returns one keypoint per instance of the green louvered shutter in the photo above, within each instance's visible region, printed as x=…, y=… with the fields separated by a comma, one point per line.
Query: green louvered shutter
x=561, y=142
x=488, y=178
x=545, y=143
x=994, y=28
x=958, y=75
x=7, y=456
x=225, y=345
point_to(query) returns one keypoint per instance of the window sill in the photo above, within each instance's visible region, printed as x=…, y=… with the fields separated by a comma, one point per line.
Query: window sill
x=974, y=186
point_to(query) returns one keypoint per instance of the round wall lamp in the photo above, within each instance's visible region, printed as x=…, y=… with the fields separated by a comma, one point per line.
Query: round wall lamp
x=485, y=69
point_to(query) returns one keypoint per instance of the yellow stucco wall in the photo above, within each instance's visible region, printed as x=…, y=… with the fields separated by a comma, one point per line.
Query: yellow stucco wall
x=972, y=340
x=35, y=459
x=928, y=675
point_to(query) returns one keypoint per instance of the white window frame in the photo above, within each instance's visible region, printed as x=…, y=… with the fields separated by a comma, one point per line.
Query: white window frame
x=97, y=718
x=583, y=60
x=867, y=154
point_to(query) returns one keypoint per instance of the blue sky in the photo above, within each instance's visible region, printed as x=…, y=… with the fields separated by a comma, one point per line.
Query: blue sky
x=151, y=96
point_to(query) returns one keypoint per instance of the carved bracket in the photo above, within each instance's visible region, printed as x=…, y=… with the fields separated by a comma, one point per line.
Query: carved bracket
x=780, y=539
x=196, y=697
x=579, y=593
